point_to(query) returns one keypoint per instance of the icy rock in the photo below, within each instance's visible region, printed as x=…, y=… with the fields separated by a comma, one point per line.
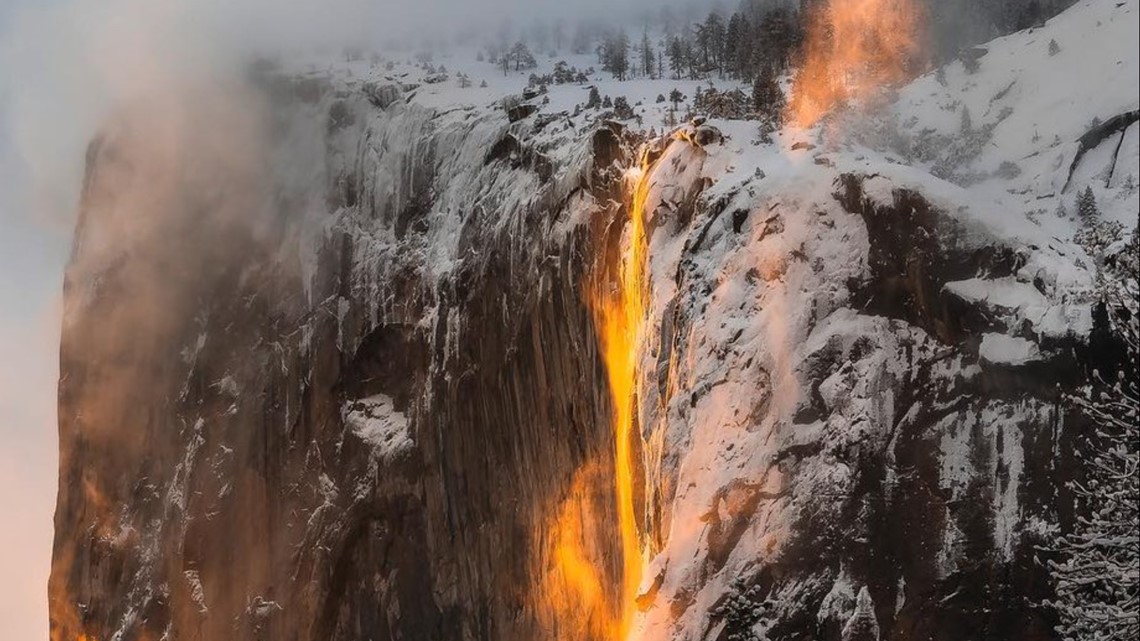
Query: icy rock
x=862, y=626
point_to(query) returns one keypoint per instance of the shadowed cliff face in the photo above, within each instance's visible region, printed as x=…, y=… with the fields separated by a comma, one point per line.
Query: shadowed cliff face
x=333, y=389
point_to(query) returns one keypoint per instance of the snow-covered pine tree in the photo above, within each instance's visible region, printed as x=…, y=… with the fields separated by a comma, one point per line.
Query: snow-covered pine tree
x=1096, y=234
x=522, y=56
x=967, y=124
x=1086, y=206
x=1096, y=578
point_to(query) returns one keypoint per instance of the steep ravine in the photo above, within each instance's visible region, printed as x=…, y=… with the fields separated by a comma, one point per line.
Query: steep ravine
x=340, y=386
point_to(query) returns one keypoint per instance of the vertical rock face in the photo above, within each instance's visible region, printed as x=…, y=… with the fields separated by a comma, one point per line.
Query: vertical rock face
x=331, y=388
x=328, y=375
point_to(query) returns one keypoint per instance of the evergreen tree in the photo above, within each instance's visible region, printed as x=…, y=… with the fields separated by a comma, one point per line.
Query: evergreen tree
x=1086, y=206
x=522, y=57
x=645, y=51
x=582, y=39
x=779, y=34
x=595, y=99
x=714, y=35
x=615, y=54
x=558, y=34
x=676, y=97
x=768, y=96
x=966, y=126
x=735, y=56
x=676, y=56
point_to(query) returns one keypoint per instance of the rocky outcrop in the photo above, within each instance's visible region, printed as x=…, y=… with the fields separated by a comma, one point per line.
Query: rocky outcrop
x=836, y=416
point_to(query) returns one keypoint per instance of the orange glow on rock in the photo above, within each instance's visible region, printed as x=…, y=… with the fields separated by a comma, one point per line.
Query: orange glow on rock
x=620, y=317
x=576, y=593
x=853, y=48
x=585, y=603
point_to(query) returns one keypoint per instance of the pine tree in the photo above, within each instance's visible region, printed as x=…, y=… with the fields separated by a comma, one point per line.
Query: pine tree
x=1097, y=577
x=1086, y=206
x=558, y=33
x=676, y=56
x=676, y=97
x=967, y=125
x=582, y=39
x=713, y=32
x=616, y=54
x=734, y=54
x=767, y=96
x=778, y=36
x=595, y=99
x=646, y=53
x=522, y=57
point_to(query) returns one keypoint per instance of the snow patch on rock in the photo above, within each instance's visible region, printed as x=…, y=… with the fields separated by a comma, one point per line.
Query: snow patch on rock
x=376, y=421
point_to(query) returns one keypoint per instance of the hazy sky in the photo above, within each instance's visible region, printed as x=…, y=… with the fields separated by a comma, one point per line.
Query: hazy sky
x=31, y=258
x=63, y=65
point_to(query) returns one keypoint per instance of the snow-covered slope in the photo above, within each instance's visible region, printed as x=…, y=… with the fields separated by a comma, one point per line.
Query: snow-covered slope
x=1035, y=101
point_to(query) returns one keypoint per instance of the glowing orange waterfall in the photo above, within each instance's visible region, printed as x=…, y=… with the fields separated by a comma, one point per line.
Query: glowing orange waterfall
x=621, y=323
x=580, y=602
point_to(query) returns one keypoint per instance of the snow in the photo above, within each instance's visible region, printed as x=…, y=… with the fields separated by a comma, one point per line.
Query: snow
x=1006, y=293
x=1001, y=349
x=376, y=421
x=197, y=594
x=1048, y=102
